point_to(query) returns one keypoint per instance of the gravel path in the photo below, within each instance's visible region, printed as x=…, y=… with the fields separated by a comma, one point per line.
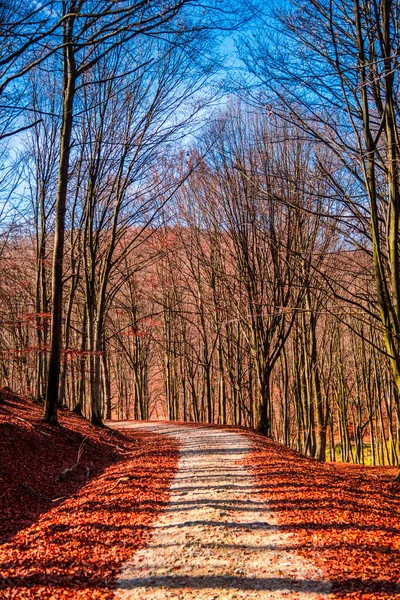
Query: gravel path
x=216, y=540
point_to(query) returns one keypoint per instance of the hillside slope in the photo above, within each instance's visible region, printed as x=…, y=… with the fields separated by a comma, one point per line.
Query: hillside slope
x=345, y=518
x=66, y=535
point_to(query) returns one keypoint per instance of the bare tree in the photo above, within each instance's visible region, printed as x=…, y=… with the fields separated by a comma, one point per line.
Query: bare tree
x=90, y=32
x=335, y=73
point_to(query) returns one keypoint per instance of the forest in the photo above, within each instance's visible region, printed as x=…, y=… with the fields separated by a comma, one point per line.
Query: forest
x=199, y=216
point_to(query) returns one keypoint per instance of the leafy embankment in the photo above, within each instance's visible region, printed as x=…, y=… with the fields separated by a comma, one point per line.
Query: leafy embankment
x=66, y=532
x=344, y=518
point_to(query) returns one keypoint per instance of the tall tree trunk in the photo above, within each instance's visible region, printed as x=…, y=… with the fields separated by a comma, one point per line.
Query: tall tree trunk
x=50, y=411
x=96, y=388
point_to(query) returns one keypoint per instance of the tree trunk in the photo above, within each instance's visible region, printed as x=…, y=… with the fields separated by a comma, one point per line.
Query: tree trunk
x=50, y=411
x=264, y=411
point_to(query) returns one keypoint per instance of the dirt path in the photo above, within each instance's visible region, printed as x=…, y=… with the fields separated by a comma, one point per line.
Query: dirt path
x=216, y=540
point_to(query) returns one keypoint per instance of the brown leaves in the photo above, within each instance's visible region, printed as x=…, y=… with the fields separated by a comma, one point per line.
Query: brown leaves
x=74, y=550
x=344, y=518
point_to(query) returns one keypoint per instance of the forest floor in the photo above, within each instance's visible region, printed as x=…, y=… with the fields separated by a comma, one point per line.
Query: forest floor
x=249, y=518
x=237, y=517
x=65, y=534
x=343, y=518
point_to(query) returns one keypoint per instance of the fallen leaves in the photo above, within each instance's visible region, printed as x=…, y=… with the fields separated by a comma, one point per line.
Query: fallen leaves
x=345, y=519
x=75, y=549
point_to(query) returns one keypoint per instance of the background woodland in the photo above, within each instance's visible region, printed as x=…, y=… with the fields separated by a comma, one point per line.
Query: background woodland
x=171, y=249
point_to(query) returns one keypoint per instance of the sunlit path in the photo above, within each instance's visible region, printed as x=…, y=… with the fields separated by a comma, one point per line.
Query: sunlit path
x=216, y=539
